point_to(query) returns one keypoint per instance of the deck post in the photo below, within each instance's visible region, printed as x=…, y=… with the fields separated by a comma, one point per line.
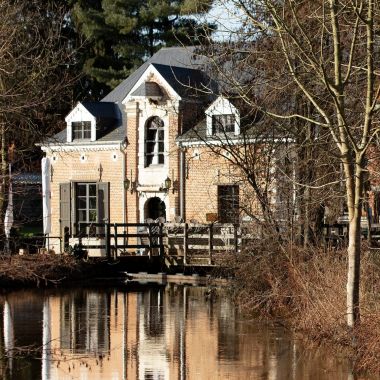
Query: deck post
x=150, y=240
x=236, y=237
x=161, y=239
x=115, y=236
x=185, y=242
x=107, y=230
x=210, y=246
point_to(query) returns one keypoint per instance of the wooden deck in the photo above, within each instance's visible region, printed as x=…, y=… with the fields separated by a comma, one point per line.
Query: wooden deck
x=177, y=244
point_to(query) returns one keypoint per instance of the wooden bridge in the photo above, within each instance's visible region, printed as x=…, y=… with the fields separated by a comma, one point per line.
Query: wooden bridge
x=177, y=244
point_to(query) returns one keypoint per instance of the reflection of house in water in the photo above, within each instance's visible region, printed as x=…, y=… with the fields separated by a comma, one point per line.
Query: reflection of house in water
x=84, y=323
x=152, y=333
x=157, y=333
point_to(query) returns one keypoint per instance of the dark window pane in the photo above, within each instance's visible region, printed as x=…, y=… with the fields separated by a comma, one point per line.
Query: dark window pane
x=160, y=147
x=149, y=160
x=92, y=216
x=81, y=190
x=150, y=147
x=92, y=190
x=92, y=203
x=82, y=216
x=151, y=135
x=161, y=159
x=82, y=204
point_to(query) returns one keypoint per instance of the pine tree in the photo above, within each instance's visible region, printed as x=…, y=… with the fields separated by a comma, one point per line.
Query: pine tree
x=122, y=34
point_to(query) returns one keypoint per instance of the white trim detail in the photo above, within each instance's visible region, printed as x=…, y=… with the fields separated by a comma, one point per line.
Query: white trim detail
x=152, y=71
x=232, y=141
x=76, y=148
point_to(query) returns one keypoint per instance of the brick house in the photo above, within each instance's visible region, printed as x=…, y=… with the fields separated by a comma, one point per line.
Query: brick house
x=141, y=153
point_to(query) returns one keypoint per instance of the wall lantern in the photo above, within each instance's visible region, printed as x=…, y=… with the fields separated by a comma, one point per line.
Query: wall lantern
x=127, y=183
x=168, y=184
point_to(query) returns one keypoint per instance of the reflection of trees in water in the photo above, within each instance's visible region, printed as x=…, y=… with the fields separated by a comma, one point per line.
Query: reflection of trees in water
x=84, y=322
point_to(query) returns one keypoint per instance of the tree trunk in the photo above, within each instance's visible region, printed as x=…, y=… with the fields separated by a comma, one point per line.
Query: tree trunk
x=354, y=187
x=3, y=170
x=353, y=274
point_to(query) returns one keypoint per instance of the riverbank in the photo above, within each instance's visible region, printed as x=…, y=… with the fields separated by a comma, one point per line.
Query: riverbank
x=47, y=270
x=308, y=290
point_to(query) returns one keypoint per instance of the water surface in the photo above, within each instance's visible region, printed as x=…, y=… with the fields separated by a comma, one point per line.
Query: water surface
x=147, y=332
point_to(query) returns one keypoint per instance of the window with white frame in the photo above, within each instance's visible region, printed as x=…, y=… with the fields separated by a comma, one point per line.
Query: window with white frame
x=86, y=203
x=83, y=202
x=154, y=141
x=81, y=130
x=223, y=124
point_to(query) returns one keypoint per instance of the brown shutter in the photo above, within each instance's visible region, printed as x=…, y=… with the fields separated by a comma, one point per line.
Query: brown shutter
x=74, y=227
x=65, y=212
x=103, y=202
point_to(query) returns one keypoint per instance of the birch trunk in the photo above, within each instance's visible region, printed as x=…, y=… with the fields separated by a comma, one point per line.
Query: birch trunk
x=353, y=273
x=354, y=188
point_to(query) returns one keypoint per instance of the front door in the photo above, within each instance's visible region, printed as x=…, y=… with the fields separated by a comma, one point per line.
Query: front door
x=155, y=208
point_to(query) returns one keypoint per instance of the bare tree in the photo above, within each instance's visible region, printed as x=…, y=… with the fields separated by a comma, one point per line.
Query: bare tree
x=35, y=76
x=328, y=54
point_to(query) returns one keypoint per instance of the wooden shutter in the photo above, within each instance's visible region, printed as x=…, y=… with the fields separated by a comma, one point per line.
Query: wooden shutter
x=73, y=208
x=65, y=212
x=103, y=202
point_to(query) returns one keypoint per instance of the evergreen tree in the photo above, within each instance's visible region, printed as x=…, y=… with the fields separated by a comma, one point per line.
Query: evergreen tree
x=122, y=34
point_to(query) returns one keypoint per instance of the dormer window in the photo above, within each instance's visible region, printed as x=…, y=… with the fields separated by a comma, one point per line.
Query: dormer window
x=223, y=124
x=154, y=141
x=89, y=121
x=222, y=117
x=81, y=130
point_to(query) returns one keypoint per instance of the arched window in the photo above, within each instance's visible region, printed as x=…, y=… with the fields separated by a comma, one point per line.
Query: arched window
x=154, y=141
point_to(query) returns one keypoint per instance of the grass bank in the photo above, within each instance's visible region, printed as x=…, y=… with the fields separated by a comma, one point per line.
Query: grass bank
x=46, y=270
x=307, y=288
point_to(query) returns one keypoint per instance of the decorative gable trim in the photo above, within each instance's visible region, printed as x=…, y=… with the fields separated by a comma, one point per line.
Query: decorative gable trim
x=222, y=106
x=150, y=72
x=80, y=114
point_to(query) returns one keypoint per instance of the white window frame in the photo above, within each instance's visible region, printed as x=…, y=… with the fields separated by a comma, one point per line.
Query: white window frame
x=155, y=152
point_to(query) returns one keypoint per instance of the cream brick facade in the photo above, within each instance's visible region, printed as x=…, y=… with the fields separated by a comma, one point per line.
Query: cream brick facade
x=195, y=172
x=86, y=165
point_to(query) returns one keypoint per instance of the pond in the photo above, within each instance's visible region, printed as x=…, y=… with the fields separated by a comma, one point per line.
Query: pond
x=147, y=332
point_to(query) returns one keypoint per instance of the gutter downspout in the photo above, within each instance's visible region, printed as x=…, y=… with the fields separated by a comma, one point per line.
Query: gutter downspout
x=123, y=152
x=182, y=179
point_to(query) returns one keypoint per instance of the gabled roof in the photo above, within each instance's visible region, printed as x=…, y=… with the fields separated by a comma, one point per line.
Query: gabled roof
x=106, y=110
x=174, y=57
x=184, y=81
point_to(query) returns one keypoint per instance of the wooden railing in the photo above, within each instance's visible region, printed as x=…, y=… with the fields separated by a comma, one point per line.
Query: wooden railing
x=176, y=239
